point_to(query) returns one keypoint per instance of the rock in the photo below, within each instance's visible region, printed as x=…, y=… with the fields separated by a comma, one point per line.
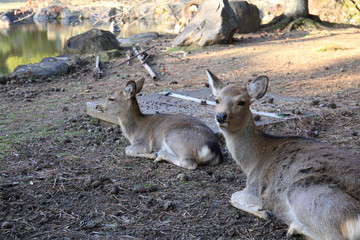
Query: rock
x=257, y=118
x=41, y=15
x=95, y=184
x=114, y=189
x=315, y=102
x=67, y=16
x=46, y=14
x=48, y=67
x=139, y=38
x=6, y=225
x=332, y=105
x=247, y=16
x=92, y=41
x=4, y=21
x=182, y=177
x=14, y=15
x=203, y=30
x=3, y=79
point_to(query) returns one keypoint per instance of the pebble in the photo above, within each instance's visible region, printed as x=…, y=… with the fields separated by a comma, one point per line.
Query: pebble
x=95, y=184
x=87, y=182
x=182, y=177
x=6, y=225
x=257, y=118
x=114, y=190
x=72, y=119
x=297, y=111
x=315, y=102
x=354, y=133
x=332, y=105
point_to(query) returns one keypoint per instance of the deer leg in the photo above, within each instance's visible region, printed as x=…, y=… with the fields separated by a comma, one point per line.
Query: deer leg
x=139, y=151
x=187, y=163
x=250, y=203
x=295, y=230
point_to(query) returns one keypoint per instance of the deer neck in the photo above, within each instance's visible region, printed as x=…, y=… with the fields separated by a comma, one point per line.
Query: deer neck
x=131, y=120
x=246, y=145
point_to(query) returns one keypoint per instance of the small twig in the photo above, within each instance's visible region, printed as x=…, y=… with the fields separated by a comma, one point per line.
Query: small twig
x=20, y=19
x=355, y=4
x=117, y=65
x=181, y=59
x=89, y=93
x=172, y=10
x=55, y=181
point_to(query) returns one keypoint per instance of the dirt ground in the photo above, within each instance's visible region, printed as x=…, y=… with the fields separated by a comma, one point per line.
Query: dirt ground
x=65, y=176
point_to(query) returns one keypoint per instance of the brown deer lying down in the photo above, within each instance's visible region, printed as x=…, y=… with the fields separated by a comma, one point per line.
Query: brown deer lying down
x=311, y=186
x=179, y=139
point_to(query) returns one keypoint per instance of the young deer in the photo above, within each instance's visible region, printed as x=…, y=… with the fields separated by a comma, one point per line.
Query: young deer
x=179, y=139
x=311, y=186
x=187, y=13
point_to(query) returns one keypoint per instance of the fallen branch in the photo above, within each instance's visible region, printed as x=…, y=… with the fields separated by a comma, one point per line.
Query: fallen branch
x=143, y=61
x=27, y=16
x=117, y=65
x=170, y=55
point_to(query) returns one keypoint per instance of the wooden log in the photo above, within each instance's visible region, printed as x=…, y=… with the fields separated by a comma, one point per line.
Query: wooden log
x=97, y=73
x=117, y=65
x=142, y=58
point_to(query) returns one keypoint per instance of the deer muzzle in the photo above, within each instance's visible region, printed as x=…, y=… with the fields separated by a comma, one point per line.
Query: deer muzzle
x=221, y=117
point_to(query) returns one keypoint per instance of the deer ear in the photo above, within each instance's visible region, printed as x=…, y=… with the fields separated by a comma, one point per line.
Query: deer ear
x=139, y=84
x=130, y=89
x=215, y=83
x=257, y=88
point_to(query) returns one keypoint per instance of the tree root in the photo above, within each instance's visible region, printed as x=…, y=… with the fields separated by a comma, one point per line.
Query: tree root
x=313, y=22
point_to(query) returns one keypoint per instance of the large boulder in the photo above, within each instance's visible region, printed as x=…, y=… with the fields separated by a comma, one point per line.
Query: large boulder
x=214, y=23
x=42, y=15
x=67, y=15
x=247, y=16
x=46, y=14
x=92, y=41
x=48, y=67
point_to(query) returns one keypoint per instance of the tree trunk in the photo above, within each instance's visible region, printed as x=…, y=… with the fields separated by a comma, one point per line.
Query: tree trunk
x=296, y=8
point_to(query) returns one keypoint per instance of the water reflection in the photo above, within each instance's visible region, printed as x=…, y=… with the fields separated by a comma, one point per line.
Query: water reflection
x=29, y=43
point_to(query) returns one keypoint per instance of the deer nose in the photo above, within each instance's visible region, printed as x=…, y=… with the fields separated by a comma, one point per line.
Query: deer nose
x=221, y=117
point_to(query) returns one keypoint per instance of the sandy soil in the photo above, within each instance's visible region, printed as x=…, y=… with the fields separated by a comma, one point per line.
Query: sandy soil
x=65, y=176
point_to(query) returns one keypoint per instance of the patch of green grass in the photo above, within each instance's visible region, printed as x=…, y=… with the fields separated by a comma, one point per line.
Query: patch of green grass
x=6, y=122
x=330, y=47
x=67, y=100
x=64, y=154
x=11, y=116
x=40, y=116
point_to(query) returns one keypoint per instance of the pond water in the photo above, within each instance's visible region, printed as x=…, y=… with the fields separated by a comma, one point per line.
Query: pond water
x=29, y=43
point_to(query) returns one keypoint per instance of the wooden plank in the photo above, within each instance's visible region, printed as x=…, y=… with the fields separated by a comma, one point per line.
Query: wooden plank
x=208, y=102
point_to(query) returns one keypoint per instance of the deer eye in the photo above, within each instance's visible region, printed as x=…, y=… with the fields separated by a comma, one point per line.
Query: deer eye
x=217, y=101
x=241, y=103
x=111, y=99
